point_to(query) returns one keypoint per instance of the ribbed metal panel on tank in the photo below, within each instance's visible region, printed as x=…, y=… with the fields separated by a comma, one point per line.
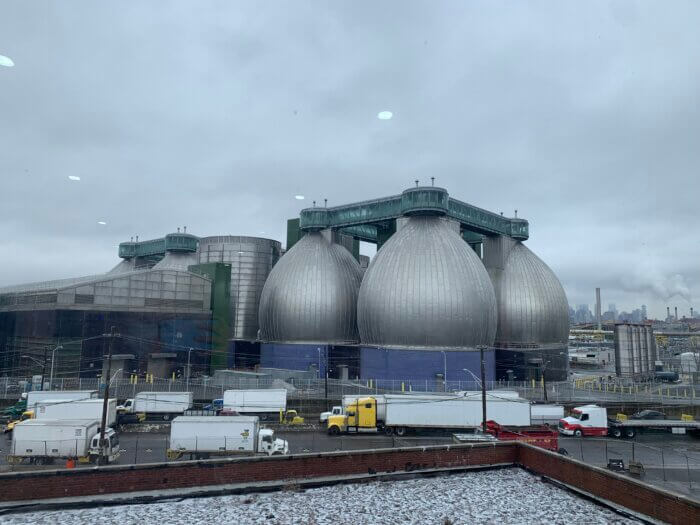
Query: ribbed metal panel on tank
x=311, y=294
x=532, y=305
x=426, y=288
x=251, y=259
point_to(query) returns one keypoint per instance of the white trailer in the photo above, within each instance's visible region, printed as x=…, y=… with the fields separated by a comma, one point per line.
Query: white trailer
x=429, y=411
x=157, y=405
x=64, y=395
x=42, y=441
x=77, y=409
x=266, y=403
x=204, y=436
x=546, y=414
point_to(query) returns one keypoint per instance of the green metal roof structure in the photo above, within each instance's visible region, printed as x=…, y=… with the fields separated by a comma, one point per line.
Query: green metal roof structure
x=375, y=220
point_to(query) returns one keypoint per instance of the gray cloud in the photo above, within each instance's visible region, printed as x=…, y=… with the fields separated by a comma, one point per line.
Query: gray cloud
x=214, y=114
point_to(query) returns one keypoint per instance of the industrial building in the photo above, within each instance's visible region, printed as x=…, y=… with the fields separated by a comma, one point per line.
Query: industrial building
x=449, y=281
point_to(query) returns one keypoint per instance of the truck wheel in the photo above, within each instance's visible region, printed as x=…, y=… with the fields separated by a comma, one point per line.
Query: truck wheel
x=166, y=417
x=334, y=431
x=629, y=433
x=578, y=433
x=388, y=431
x=616, y=433
x=400, y=431
x=563, y=452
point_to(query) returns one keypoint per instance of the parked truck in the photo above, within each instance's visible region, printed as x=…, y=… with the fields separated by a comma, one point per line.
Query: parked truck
x=37, y=396
x=202, y=437
x=593, y=420
x=78, y=409
x=42, y=441
x=158, y=406
x=546, y=414
x=268, y=404
x=400, y=414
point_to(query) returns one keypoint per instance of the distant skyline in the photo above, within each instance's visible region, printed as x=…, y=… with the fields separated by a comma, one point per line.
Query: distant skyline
x=120, y=119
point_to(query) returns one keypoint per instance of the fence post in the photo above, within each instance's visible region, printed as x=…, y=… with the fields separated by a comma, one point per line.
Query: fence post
x=663, y=464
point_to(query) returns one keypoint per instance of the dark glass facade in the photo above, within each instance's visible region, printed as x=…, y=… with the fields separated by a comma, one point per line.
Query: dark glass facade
x=80, y=332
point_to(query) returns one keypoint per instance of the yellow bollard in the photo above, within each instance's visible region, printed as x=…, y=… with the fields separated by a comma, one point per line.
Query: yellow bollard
x=615, y=388
x=403, y=389
x=173, y=375
x=542, y=381
x=685, y=393
x=533, y=382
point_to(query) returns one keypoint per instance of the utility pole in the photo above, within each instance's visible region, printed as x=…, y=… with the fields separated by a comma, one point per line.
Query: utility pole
x=43, y=368
x=187, y=384
x=483, y=388
x=544, y=381
x=326, y=385
x=103, y=425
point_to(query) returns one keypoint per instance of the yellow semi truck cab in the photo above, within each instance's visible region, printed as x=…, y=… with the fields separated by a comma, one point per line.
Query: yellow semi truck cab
x=27, y=414
x=359, y=416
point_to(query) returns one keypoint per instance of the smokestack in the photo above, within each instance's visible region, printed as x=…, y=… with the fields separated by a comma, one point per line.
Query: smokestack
x=691, y=312
x=597, y=309
x=668, y=313
x=676, y=309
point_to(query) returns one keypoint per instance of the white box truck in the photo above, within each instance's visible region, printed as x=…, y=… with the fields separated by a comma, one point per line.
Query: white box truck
x=78, y=409
x=154, y=406
x=265, y=403
x=201, y=437
x=63, y=395
x=401, y=413
x=41, y=441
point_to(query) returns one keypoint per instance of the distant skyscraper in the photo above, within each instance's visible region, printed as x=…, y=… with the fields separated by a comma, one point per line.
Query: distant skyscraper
x=644, y=312
x=612, y=308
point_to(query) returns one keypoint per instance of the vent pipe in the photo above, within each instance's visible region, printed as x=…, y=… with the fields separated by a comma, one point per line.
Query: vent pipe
x=597, y=309
x=676, y=309
x=668, y=313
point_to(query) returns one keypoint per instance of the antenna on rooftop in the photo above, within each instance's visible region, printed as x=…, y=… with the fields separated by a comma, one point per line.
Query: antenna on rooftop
x=184, y=229
x=417, y=181
x=516, y=214
x=325, y=203
x=178, y=229
x=432, y=181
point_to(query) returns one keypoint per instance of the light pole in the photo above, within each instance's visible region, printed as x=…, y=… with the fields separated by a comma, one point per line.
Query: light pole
x=187, y=383
x=53, y=354
x=43, y=366
x=483, y=385
x=319, y=362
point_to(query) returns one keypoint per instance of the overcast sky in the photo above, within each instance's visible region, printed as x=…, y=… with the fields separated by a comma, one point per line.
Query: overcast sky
x=585, y=117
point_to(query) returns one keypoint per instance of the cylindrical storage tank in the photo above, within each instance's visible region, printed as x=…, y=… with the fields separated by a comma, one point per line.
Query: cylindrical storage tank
x=426, y=288
x=311, y=294
x=532, y=304
x=251, y=259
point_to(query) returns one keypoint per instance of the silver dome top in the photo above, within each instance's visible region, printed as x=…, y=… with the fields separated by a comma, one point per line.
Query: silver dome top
x=426, y=288
x=532, y=305
x=311, y=294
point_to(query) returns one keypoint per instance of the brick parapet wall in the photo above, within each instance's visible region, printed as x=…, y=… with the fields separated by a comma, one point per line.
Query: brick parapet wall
x=619, y=489
x=187, y=474
x=600, y=483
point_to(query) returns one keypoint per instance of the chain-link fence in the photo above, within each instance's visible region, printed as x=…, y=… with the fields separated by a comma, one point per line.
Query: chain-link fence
x=674, y=466
x=584, y=390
